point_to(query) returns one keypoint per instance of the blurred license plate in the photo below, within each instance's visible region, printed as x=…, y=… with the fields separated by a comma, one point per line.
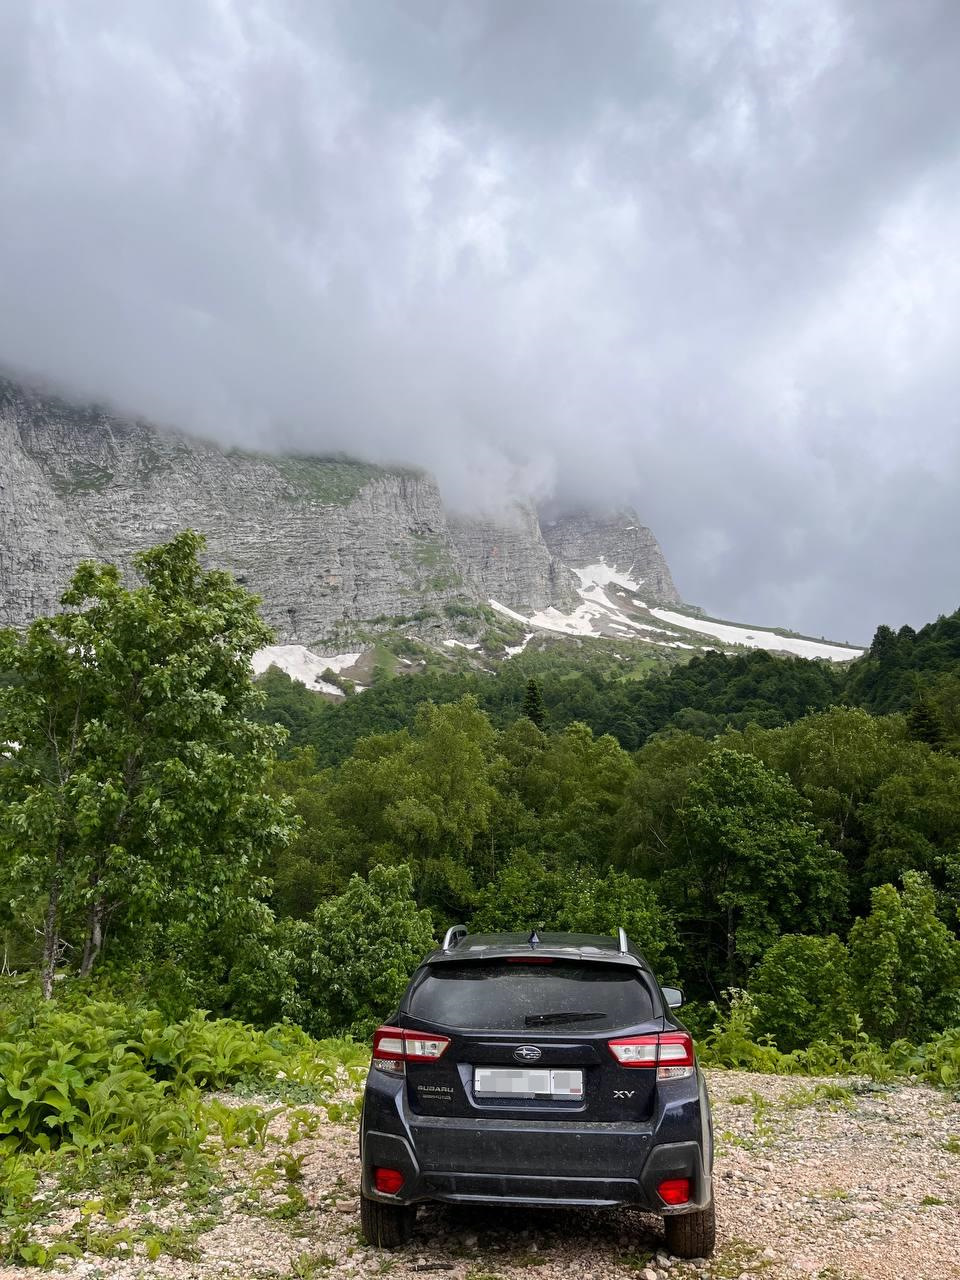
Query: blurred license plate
x=527, y=1082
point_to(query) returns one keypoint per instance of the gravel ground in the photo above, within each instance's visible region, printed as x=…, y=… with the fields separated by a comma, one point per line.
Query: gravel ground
x=813, y=1178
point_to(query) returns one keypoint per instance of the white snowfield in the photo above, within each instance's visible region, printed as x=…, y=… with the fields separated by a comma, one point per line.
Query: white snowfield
x=599, y=615
x=300, y=664
x=601, y=588
x=754, y=639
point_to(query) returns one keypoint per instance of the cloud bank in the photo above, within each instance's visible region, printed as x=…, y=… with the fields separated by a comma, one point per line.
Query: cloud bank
x=701, y=258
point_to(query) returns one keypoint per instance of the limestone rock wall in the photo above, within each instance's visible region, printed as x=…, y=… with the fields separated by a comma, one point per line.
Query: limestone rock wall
x=621, y=540
x=507, y=560
x=321, y=540
x=39, y=542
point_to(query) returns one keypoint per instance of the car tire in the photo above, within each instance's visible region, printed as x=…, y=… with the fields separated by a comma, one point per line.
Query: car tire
x=692, y=1235
x=387, y=1226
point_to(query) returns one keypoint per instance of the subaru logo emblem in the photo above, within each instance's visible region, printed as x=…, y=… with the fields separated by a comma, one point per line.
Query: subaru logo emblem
x=527, y=1053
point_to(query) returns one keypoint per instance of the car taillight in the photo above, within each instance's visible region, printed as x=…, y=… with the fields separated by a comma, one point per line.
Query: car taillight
x=393, y=1047
x=671, y=1052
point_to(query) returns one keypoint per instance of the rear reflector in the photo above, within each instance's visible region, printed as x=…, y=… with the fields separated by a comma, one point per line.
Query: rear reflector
x=671, y=1052
x=674, y=1190
x=388, y=1180
x=392, y=1047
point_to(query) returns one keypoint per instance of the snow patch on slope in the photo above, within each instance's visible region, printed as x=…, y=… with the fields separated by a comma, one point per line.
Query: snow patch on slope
x=300, y=664
x=507, y=612
x=604, y=587
x=604, y=575
x=511, y=650
x=755, y=639
x=598, y=615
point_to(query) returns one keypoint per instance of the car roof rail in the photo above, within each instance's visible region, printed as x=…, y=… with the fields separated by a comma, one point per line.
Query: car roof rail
x=456, y=933
x=622, y=941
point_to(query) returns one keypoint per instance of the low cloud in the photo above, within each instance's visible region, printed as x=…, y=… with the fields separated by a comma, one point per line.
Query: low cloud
x=700, y=258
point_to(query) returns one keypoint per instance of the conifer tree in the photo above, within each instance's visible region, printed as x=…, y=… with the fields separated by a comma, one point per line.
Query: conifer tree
x=925, y=724
x=533, y=707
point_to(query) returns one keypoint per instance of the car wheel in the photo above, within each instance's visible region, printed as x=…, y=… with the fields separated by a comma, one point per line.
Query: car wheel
x=386, y=1225
x=692, y=1235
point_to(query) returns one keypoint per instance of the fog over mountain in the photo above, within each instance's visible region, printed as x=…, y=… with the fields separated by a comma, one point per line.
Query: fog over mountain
x=698, y=257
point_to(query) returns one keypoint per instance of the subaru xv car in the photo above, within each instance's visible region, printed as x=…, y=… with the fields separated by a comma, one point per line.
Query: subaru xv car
x=536, y=1070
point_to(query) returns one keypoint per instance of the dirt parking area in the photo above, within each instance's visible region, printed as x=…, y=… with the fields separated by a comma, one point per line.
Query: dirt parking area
x=820, y=1178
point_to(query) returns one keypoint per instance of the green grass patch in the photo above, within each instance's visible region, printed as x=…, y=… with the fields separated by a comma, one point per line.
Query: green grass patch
x=82, y=477
x=333, y=480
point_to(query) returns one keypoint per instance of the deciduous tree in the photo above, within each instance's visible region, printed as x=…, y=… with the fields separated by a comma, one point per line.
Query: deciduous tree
x=136, y=790
x=748, y=864
x=802, y=990
x=365, y=944
x=905, y=963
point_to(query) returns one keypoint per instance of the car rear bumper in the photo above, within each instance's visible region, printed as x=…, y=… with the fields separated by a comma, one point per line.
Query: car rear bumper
x=507, y=1161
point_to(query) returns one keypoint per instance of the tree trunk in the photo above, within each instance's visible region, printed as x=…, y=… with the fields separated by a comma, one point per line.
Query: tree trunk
x=51, y=936
x=94, y=938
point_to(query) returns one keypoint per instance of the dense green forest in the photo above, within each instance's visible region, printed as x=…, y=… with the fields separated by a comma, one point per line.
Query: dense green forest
x=781, y=826
x=704, y=696
x=781, y=837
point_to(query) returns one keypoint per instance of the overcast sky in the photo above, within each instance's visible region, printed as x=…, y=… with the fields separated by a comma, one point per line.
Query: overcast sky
x=698, y=255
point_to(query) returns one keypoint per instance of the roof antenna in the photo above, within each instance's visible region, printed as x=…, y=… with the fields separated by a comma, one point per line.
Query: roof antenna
x=534, y=939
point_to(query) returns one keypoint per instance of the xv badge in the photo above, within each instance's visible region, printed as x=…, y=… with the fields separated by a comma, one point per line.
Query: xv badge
x=624, y=1093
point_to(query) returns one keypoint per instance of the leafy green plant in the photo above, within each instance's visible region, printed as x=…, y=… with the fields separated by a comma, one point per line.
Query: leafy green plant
x=730, y=1043
x=819, y=1093
x=308, y=1266
x=116, y=1080
x=291, y=1207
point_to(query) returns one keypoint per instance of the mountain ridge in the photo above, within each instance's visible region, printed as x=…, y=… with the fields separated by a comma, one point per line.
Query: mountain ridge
x=328, y=543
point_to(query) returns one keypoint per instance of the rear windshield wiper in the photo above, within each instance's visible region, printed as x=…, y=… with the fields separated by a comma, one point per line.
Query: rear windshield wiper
x=546, y=1019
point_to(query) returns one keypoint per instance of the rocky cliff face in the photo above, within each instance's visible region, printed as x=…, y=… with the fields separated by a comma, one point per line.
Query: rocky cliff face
x=321, y=540
x=39, y=543
x=508, y=560
x=619, y=540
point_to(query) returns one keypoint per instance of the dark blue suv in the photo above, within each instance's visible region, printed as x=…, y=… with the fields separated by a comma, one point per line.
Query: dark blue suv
x=530, y=1070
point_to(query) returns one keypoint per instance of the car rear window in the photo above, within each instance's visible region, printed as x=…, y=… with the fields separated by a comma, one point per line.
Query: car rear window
x=552, y=996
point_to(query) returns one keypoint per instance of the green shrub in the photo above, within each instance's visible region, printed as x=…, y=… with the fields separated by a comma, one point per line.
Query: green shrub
x=730, y=1043
x=905, y=963
x=801, y=988
x=117, y=1076
x=365, y=943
